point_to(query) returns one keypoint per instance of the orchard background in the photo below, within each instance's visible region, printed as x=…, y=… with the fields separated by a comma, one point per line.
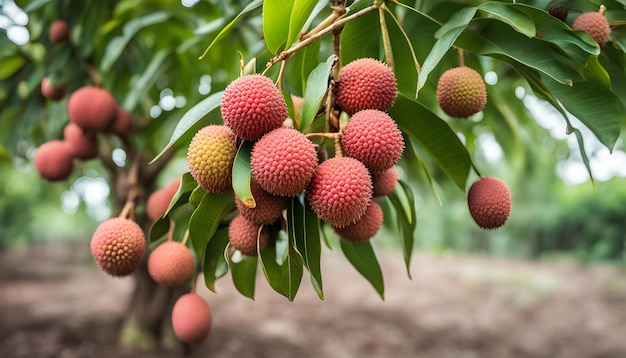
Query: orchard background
x=551, y=129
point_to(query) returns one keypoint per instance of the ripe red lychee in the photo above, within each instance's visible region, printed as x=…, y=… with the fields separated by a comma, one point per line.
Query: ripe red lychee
x=171, y=263
x=210, y=157
x=595, y=24
x=384, y=183
x=122, y=124
x=461, y=92
x=373, y=138
x=252, y=106
x=366, y=83
x=51, y=92
x=118, y=245
x=191, y=318
x=283, y=162
x=243, y=234
x=489, y=201
x=59, y=31
x=54, y=160
x=84, y=145
x=367, y=226
x=160, y=200
x=92, y=108
x=268, y=209
x=341, y=191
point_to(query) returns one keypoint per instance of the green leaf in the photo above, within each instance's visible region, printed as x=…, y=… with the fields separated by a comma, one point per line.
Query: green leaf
x=10, y=65
x=435, y=136
x=594, y=71
x=412, y=154
x=142, y=86
x=305, y=228
x=300, y=13
x=242, y=174
x=361, y=256
x=403, y=201
x=181, y=197
x=243, y=273
x=515, y=18
x=158, y=229
x=316, y=87
x=213, y=256
x=206, y=218
x=406, y=66
x=284, y=278
x=276, y=15
x=193, y=116
x=360, y=38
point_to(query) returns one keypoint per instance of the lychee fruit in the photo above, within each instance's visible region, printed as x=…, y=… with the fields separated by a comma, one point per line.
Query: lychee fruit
x=210, y=157
x=489, y=201
x=283, y=162
x=173, y=186
x=559, y=12
x=461, y=92
x=366, y=83
x=118, y=245
x=373, y=138
x=595, y=24
x=51, y=92
x=122, y=124
x=157, y=203
x=341, y=191
x=252, y=106
x=243, y=234
x=84, y=145
x=54, y=160
x=367, y=226
x=268, y=209
x=191, y=318
x=92, y=108
x=385, y=182
x=59, y=31
x=171, y=263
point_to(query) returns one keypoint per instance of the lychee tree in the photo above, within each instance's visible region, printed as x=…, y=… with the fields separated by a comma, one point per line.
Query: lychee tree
x=305, y=145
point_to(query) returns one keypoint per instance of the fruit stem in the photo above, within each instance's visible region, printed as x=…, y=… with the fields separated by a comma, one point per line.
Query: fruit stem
x=128, y=209
x=338, y=149
x=385, y=36
x=333, y=136
x=461, y=56
x=185, y=237
x=170, y=232
x=602, y=9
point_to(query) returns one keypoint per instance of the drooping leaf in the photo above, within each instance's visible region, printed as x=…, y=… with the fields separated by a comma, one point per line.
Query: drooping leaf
x=243, y=273
x=242, y=174
x=316, y=87
x=276, y=16
x=361, y=256
x=206, y=218
x=214, y=256
x=284, y=278
x=305, y=228
x=403, y=201
x=509, y=14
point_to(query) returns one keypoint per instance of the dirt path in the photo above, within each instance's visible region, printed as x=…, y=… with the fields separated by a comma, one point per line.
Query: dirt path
x=57, y=305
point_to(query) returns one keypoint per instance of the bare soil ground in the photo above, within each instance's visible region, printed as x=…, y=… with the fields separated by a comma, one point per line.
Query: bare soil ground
x=55, y=303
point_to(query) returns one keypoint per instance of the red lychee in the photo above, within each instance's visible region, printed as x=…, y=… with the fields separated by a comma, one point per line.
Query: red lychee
x=84, y=145
x=191, y=318
x=54, y=160
x=268, y=209
x=252, y=106
x=595, y=24
x=118, y=245
x=283, y=162
x=367, y=226
x=171, y=263
x=341, y=191
x=461, y=92
x=59, y=31
x=243, y=234
x=489, y=201
x=384, y=183
x=92, y=108
x=51, y=92
x=366, y=83
x=210, y=157
x=373, y=138
x=122, y=124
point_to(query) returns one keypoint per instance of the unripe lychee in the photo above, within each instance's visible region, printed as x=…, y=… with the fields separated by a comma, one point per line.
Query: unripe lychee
x=191, y=318
x=59, y=31
x=92, y=108
x=171, y=263
x=210, y=157
x=54, y=160
x=252, y=106
x=283, y=162
x=118, y=245
x=595, y=24
x=122, y=124
x=373, y=138
x=489, y=201
x=341, y=191
x=367, y=226
x=51, y=92
x=84, y=145
x=243, y=234
x=384, y=183
x=366, y=83
x=461, y=92
x=268, y=209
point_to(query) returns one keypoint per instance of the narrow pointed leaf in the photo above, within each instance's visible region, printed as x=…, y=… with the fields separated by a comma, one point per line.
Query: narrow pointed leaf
x=317, y=85
x=213, y=257
x=299, y=15
x=242, y=174
x=206, y=218
x=276, y=16
x=404, y=202
x=361, y=256
x=308, y=241
x=244, y=274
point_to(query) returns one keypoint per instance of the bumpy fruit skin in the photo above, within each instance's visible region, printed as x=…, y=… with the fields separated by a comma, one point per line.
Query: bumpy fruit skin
x=243, y=234
x=489, y=201
x=59, y=31
x=252, y=106
x=340, y=191
x=84, y=145
x=366, y=227
x=54, y=160
x=461, y=92
x=384, y=183
x=366, y=83
x=283, y=162
x=118, y=245
x=373, y=138
x=51, y=92
x=191, y=318
x=595, y=24
x=268, y=209
x=210, y=157
x=171, y=263
x=122, y=124
x=92, y=108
